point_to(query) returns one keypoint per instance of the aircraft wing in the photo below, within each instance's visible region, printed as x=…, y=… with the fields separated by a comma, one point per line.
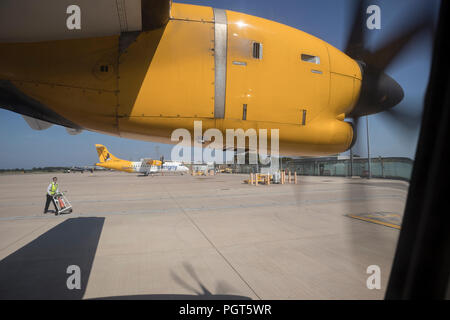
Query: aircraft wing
x=47, y=20
x=40, y=125
x=150, y=165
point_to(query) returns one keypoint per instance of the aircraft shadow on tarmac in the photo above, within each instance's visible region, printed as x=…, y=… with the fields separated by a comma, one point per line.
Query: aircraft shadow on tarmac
x=177, y=297
x=204, y=294
x=39, y=269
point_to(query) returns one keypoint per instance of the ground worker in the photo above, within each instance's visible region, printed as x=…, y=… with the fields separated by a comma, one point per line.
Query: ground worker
x=51, y=191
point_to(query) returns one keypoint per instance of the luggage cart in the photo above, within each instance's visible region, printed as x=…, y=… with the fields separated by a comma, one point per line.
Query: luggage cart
x=63, y=205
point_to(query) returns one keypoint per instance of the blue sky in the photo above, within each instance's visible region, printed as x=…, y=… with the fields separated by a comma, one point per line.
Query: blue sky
x=22, y=147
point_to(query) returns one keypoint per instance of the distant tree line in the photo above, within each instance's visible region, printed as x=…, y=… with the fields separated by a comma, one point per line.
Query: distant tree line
x=37, y=169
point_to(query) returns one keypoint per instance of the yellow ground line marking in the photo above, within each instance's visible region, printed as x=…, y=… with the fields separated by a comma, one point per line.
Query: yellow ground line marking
x=375, y=221
x=394, y=215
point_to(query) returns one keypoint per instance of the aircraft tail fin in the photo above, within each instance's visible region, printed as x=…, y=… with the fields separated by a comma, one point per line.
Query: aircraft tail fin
x=103, y=153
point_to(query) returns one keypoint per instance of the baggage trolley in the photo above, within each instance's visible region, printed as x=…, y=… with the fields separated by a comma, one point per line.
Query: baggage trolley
x=62, y=204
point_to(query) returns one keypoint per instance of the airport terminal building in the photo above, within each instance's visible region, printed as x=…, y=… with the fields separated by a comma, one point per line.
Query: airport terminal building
x=341, y=166
x=388, y=168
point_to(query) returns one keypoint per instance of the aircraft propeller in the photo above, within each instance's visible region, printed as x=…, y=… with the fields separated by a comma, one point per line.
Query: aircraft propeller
x=379, y=94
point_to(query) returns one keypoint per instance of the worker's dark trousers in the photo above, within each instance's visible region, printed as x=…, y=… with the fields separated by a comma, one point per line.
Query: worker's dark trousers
x=47, y=203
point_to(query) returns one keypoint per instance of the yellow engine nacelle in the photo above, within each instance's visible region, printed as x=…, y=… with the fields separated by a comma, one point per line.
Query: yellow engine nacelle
x=226, y=69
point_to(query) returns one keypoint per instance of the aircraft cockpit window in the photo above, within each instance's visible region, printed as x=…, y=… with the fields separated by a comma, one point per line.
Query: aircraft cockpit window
x=257, y=50
x=309, y=58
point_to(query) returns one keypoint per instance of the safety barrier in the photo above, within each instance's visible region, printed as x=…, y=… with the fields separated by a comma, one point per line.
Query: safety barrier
x=268, y=179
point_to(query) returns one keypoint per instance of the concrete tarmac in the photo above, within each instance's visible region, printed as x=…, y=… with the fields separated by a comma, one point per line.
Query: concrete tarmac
x=184, y=237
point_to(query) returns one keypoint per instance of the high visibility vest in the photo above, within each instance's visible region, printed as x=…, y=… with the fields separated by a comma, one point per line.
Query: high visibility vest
x=53, y=188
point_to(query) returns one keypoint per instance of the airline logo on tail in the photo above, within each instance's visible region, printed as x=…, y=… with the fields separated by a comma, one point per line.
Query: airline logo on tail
x=109, y=161
x=103, y=153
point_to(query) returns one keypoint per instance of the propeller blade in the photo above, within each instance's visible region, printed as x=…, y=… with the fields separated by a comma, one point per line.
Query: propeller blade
x=355, y=43
x=190, y=270
x=362, y=200
x=356, y=148
x=406, y=119
x=379, y=92
x=382, y=57
x=184, y=284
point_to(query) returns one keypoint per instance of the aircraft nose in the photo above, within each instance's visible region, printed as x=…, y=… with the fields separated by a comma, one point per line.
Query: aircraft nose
x=379, y=92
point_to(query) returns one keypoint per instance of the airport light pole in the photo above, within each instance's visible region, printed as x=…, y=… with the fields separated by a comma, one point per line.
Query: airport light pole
x=368, y=148
x=351, y=162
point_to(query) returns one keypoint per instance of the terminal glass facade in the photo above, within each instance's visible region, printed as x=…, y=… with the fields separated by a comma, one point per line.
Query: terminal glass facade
x=387, y=168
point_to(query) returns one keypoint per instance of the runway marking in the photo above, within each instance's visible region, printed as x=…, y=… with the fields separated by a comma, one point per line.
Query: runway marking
x=378, y=218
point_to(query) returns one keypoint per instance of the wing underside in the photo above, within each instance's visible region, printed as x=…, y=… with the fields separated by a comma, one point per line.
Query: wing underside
x=47, y=20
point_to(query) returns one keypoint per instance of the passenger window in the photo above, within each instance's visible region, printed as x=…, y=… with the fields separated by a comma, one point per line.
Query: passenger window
x=310, y=58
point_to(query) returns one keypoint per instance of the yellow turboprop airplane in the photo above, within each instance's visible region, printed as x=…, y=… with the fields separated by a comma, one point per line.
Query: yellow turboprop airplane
x=145, y=166
x=143, y=68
